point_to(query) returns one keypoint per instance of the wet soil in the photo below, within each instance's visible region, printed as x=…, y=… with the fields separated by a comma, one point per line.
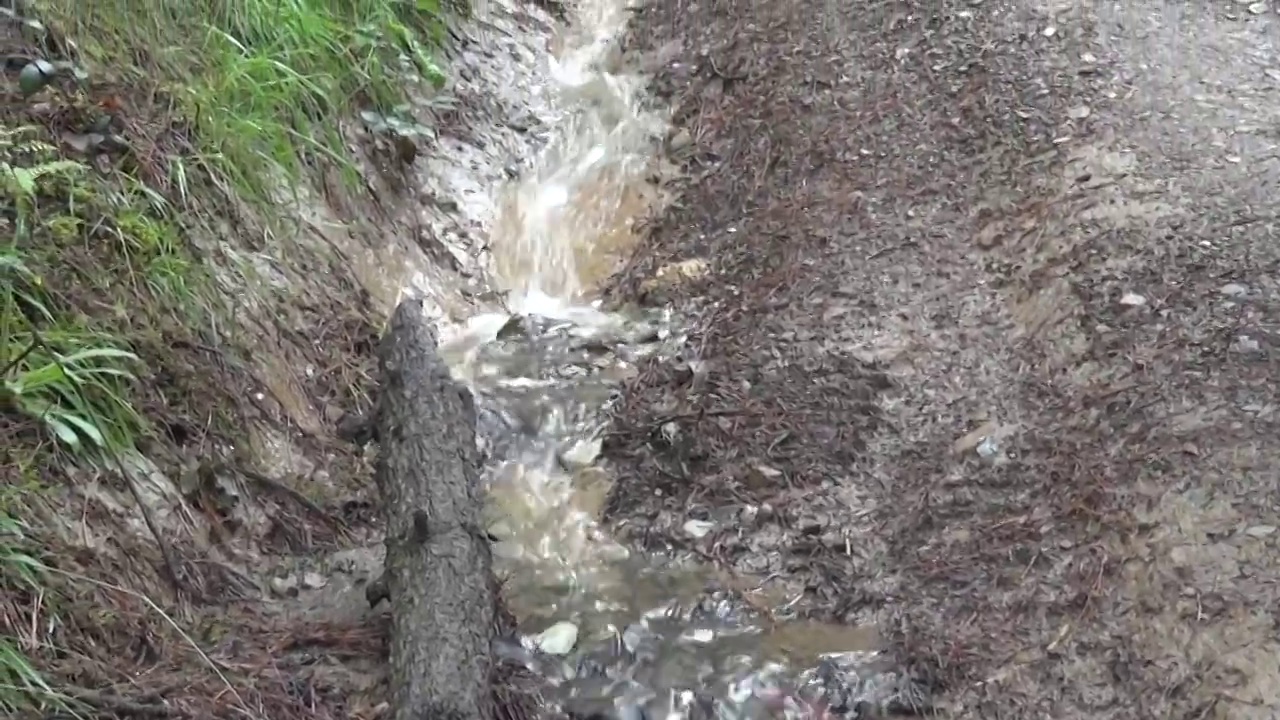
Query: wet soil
x=984, y=355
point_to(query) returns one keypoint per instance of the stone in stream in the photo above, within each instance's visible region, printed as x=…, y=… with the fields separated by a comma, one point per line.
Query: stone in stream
x=558, y=639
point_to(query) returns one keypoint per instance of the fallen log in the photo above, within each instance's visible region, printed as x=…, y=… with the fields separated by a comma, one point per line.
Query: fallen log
x=439, y=567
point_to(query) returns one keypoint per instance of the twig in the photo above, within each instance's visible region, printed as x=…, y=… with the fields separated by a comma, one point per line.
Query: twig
x=275, y=485
x=892, y=248
x=120, y=705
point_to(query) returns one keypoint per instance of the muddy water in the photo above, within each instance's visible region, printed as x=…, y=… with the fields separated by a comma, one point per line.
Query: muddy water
x=620, y=628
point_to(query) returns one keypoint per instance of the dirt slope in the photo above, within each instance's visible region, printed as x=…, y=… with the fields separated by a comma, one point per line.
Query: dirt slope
x=985, y=351
x=218, y=571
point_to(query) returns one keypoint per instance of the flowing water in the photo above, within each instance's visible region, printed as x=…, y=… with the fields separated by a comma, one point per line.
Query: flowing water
x=621, y=634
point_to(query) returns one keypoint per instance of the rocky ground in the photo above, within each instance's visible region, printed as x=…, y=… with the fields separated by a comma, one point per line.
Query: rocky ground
x=986, y=346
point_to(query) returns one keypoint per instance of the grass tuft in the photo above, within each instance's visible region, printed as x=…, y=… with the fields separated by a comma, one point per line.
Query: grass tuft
x=265, y=82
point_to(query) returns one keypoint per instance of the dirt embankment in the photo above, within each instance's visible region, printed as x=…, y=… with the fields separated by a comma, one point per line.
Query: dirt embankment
x=212, y=212
x=985, y=345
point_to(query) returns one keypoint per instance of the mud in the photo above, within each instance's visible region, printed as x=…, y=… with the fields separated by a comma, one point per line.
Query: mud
x=987, y=326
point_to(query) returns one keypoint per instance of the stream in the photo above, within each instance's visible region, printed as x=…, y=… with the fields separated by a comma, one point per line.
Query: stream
x=616, y=633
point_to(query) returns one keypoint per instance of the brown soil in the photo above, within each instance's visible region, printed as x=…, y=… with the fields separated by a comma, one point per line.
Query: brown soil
x=932, y=223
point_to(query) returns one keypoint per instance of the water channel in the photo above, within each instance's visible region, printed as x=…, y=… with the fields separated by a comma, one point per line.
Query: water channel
x=618, y=634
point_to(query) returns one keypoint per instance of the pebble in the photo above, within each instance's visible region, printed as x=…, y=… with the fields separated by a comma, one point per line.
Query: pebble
x=558, y=639
x=581, y=454
x=314, y=580
x=1133, y=300
x=699, y=528
x=1233, y=290
x=284, y=586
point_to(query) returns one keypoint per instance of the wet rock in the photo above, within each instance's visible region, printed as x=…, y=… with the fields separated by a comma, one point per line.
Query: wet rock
x=558, y=639
x=580, y=454
x=508, y=550
x=698, y=528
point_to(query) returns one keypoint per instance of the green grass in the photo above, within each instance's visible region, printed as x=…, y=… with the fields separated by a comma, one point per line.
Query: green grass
x=94, y=268
x=57, y=368
x=265, y=82
x=85, y=257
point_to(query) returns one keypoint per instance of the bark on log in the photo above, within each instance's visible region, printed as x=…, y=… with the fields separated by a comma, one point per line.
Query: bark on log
x=439, y=567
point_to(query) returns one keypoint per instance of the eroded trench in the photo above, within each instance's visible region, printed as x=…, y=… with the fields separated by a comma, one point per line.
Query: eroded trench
x=616, y=633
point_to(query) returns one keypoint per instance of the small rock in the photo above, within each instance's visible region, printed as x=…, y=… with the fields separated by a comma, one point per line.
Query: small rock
x=1133, y=300
x=1233, y=290
x=1089, y=58
x=702, y=636
x=581, y=454
x=1049, y=31
x=35, y=76
x=1258, y=8
x=558, y=639
x=1260, y=531
x=699, y=528
x=314, y=580
x=679, y=141
x=1079, y=112
x=670, y=432
x=971, y=440
x=1245, y=344
x=508, y=550
x=284, y=586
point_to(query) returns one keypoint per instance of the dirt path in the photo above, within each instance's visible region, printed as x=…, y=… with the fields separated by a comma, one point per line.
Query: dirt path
x=988, y=340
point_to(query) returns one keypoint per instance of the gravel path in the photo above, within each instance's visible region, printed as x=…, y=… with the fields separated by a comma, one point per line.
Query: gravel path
x=988, y=341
